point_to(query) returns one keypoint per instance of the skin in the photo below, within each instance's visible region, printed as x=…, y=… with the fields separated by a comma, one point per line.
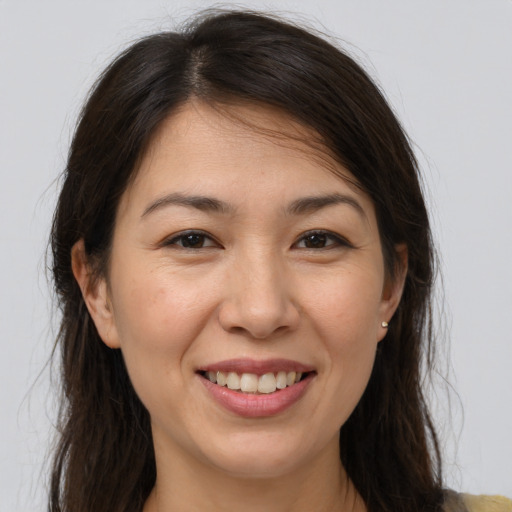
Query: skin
x=255, y=289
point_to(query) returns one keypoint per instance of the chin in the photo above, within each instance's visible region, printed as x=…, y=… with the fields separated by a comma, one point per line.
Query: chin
x=260, y=456
x=239, y=466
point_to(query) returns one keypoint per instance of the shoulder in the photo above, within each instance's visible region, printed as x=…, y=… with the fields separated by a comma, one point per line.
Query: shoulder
x=462, y=502
x=486, y=503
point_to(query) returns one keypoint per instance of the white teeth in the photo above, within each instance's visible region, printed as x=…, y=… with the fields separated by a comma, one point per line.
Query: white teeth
x=251, y=383
x=233, y=381
x=221, y=379
x=281, y=380
x=267, y=383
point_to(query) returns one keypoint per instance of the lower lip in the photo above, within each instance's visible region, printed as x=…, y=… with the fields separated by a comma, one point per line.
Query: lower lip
x=257, y=406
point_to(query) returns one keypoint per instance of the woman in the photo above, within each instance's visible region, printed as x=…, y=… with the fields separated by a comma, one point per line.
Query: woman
x=244, y=263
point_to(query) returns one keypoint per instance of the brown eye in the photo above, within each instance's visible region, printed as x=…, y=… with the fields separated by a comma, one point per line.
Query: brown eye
x=320, y=240
x=315, y=241
x=192, y=240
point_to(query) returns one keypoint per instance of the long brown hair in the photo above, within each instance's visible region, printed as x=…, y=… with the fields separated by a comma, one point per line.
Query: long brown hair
x=104, y=459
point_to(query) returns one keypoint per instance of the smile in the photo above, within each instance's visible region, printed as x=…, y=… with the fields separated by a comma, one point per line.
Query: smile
x=253, y=389
x=252, y=383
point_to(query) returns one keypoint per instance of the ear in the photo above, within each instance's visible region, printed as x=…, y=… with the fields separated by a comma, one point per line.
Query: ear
x=96, y=296
x=393, y=288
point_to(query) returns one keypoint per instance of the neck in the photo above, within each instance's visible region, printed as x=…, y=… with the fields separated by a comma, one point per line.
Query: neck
x=321, y=485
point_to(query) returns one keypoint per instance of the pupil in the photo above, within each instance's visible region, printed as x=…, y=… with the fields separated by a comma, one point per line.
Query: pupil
x=193, y=241
x=315, y=241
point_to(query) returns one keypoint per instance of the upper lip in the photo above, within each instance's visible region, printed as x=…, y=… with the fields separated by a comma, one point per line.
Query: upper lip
x=258, y=367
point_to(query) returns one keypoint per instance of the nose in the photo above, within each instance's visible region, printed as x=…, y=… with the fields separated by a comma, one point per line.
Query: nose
x=259, y=299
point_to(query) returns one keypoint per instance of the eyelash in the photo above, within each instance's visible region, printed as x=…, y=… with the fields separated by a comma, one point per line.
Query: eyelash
x=336, y=240
x=181, y=237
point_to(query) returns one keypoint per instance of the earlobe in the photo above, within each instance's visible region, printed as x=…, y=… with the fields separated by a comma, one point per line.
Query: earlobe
x=95, y=294
x=393, y=289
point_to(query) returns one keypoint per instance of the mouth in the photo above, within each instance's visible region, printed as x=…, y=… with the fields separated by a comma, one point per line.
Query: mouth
x=254, y=384
x=256, y=389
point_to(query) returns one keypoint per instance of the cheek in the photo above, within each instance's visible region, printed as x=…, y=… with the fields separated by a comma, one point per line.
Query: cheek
x=157, y=319
x=347, y=309
x=346, y=315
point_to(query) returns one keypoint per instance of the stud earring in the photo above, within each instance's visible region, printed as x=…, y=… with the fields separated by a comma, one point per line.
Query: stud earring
x=385, y=325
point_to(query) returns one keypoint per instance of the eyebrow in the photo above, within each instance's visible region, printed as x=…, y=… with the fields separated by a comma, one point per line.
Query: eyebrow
x=203, y=203
x=300, y=206
x=310, y=204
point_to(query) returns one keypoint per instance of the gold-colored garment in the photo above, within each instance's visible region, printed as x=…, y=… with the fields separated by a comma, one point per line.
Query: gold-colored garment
x=486, y=503
x=460, y=502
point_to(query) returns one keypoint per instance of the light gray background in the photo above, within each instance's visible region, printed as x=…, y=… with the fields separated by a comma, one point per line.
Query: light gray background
x=446, y=68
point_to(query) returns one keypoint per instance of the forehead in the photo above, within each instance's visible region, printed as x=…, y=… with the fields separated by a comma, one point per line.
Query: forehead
x=202, y=147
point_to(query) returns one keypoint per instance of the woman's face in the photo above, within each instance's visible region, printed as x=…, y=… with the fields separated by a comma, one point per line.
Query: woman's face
x=240, y=253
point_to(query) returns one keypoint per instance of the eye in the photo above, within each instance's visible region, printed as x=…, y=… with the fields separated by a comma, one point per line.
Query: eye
x=320, y=240
x=192, y=240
